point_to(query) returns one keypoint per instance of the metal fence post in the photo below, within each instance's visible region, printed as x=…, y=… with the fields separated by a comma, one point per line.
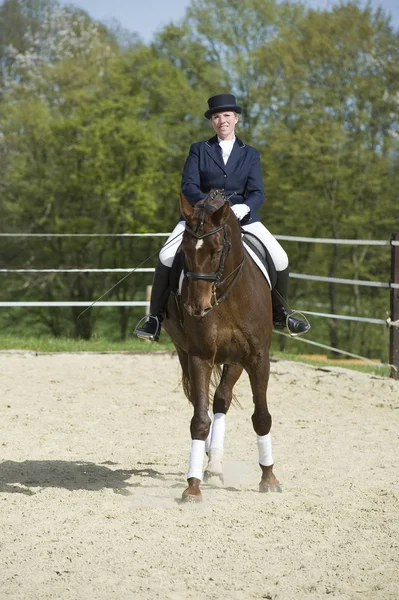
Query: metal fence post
x=394, y=331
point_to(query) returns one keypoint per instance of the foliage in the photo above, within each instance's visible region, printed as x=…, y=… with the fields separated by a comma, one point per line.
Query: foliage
x=320, y=96
x=95, y=127
x=83, y=149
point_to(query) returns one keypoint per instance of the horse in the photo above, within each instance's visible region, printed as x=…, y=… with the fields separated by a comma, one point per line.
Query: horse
x=220, y=320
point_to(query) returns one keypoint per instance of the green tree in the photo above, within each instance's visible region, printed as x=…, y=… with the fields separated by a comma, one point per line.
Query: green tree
x=329, y=143
x=75, y=157
x=319, y=91
x=93, y=137
x=88, y=148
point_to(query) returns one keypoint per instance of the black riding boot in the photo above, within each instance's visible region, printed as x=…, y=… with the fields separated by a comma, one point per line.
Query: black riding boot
x=159, y=296
x=281, y=317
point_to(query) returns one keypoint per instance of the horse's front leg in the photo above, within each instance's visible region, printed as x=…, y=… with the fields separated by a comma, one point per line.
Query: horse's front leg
x=199, y=374
x=262, y=421
x=221, y=404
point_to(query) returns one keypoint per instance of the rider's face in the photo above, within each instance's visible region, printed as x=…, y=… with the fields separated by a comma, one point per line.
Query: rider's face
x=224, y=124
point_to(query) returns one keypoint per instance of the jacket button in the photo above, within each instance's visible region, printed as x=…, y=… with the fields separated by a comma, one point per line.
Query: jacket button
x=225, y=175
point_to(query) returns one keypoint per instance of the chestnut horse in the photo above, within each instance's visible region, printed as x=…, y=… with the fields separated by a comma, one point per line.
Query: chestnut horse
x=221, y=319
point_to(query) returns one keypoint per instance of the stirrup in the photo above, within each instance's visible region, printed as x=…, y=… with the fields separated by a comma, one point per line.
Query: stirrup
x=144, y=335
x=303, y=319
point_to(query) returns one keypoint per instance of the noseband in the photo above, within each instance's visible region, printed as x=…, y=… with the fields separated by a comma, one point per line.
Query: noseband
x=215, y=278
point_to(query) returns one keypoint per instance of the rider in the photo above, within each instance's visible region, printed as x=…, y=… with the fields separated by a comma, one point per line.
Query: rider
x=223, y=162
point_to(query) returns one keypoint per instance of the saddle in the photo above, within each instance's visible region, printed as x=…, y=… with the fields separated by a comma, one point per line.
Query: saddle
x=256, y=250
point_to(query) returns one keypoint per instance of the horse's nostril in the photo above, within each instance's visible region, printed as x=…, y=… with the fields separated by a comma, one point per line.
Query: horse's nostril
x=196, y=312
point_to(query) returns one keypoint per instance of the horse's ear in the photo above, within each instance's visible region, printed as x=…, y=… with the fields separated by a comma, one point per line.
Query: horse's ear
x=222, y=214
x=185, y=207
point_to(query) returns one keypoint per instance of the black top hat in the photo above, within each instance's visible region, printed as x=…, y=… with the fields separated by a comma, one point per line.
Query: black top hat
x=220, y=103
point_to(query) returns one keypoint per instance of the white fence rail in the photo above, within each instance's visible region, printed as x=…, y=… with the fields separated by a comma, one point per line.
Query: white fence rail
x=290, y=238
x=80, y=303
x=393, y=285
x=362, y=282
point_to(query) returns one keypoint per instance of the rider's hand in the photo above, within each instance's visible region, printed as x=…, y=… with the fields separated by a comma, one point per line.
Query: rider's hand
x=240, y=210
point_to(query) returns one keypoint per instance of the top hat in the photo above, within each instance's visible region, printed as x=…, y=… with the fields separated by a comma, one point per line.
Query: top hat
x=220, y=103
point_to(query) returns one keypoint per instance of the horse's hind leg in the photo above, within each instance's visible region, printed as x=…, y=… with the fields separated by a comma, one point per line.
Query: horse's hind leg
x=221, y=404
x=262, y=421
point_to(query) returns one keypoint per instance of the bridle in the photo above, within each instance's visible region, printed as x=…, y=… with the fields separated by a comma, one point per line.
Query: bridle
x=216, y=278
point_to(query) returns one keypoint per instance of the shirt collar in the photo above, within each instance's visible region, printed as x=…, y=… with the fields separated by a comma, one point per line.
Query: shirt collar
x=227, y=141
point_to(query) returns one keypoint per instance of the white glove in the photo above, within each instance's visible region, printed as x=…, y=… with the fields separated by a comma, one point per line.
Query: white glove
x=240, y=210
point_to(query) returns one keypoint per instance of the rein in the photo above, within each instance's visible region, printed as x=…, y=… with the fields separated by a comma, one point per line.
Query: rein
x=216, y=278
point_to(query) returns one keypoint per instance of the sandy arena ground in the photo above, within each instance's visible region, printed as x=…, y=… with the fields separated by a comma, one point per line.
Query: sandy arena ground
x=94, y=450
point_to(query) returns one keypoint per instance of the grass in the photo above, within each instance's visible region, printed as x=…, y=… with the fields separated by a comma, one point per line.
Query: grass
x=371, y=369
x=96, y=344
x=102, y=344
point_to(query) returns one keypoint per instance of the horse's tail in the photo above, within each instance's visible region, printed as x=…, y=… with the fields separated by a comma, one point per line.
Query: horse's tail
x=186, y=386
x=215, y=380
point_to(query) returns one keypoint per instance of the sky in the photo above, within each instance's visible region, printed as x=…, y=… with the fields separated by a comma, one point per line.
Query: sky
x=146, y=17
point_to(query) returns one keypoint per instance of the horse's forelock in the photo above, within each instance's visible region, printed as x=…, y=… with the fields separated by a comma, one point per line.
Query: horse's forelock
x=205, y=208
x=213, y=200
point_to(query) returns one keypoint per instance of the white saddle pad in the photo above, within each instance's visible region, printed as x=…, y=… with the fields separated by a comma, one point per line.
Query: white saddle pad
x=258, y=263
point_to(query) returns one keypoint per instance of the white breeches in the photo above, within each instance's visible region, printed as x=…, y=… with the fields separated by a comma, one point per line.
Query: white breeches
x=169, y=249
x=277, y=252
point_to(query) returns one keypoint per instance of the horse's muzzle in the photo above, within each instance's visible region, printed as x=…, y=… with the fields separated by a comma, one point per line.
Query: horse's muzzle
x=197, y=312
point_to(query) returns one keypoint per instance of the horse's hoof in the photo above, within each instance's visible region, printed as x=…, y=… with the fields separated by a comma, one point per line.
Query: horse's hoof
x=265, y=487
x=208, y=475
x=192, y=493
x=189, y=497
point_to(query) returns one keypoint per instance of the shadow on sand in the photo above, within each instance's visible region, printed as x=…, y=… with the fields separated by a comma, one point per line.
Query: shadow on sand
x=20, y=477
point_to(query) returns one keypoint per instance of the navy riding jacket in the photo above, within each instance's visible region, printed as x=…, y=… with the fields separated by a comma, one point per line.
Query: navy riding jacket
x=240, y=177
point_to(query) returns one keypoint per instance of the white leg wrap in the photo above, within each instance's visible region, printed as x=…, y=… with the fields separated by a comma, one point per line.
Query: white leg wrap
x=217, y=444
x=197, y=456
x=265, y=450
x=215, y=464
x=218, y=431
x=208, y=439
